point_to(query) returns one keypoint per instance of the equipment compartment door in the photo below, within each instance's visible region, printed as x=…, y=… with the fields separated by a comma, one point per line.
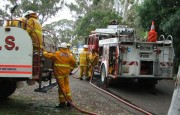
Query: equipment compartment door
x=146, y=67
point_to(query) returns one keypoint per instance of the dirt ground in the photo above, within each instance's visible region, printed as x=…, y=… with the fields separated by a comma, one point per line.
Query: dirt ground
x=27, y=102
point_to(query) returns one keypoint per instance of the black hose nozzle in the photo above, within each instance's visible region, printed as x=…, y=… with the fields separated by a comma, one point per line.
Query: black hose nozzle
x=13, y=8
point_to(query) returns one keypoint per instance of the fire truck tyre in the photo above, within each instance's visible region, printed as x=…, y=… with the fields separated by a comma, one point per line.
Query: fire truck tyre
x=103, y=77
x=7, y=88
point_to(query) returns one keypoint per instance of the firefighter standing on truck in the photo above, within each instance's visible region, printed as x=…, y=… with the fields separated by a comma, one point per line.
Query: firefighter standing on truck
x=62, y=63
x=84, y=62
x=34, y=29
x=93, y=61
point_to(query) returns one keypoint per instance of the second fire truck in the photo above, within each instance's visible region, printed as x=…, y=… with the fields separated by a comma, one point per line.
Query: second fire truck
x=123, y=55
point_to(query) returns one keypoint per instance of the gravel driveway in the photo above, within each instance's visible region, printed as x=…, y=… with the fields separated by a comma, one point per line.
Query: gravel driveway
x=27, y=102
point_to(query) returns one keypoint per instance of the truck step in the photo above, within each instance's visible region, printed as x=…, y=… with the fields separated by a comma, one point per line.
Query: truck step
x=46, y=88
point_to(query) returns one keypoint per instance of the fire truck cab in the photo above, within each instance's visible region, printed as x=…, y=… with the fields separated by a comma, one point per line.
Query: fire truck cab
x=123, y=55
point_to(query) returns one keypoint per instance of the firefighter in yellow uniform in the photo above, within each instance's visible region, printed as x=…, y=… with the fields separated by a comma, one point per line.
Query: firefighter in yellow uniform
x=84, y=62
x=69, y=50
x=62, y=63
x=34, y=29
x=93, y=61
x=22, y=23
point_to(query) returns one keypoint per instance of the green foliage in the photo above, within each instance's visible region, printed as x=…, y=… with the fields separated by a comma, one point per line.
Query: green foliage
x=64, y=29
x=95, y=2
x=91, y=14
x=83, y=7
x=157, y=10
x=44, y=8
x=95, y=19
x=148, y=12
x=166, y=14
x=172, y=26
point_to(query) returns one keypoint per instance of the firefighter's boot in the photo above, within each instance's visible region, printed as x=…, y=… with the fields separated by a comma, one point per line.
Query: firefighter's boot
x=69, y=105
x=81, y=78
x=61, y=105
x=88, y=78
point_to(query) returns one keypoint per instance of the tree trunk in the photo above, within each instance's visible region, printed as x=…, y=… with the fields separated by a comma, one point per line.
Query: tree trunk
x=125, y=12
x=175, y=103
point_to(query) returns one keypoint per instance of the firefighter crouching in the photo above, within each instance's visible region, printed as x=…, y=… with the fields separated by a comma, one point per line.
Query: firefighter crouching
x=84, y=62
x=62, y=63
x=93, y=61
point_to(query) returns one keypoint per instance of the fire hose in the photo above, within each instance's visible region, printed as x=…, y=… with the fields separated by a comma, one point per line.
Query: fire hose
x=119, y=99
x=65, y=96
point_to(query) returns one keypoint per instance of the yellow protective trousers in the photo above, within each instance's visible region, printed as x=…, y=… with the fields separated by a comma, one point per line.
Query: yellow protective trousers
x=83, y=70
x=64, y=82
x=93, y=59
x=90, y=71
x=62, y=63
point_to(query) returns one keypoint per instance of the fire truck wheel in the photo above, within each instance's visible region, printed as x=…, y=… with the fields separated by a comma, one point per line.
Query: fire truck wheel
x=7, y=88
x=104, y=80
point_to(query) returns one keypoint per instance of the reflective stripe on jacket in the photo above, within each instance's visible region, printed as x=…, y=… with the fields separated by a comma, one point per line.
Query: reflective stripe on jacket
x=63, y=61
x=62, y=65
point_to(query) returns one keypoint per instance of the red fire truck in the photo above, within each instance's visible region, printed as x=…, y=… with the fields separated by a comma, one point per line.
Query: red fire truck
x=123, y=55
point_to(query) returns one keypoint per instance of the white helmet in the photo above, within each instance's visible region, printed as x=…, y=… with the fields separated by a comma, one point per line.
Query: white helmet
x=28, y=13
x=68, y=45
x=85, y=46
x=59, y=45
x=63, y=45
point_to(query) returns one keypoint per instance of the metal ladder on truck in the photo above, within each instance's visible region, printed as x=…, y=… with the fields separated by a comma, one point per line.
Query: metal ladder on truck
x=167, y=69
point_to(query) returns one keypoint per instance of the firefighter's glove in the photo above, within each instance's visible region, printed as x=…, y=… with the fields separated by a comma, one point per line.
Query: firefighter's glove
x=44, y=52
x=76, y=65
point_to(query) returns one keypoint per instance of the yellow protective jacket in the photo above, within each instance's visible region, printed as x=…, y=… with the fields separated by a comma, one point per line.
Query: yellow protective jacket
x=84, y=57
x=22, y=23
x=34, y=29
x=74, y=56
x=62, y=61
x=93, y=59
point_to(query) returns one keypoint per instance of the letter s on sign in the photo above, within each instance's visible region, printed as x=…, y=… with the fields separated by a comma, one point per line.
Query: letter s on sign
x=9, y=43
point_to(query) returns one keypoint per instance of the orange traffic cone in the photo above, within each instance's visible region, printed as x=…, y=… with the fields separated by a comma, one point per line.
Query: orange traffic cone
x=152, y=35
x=152, y=26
